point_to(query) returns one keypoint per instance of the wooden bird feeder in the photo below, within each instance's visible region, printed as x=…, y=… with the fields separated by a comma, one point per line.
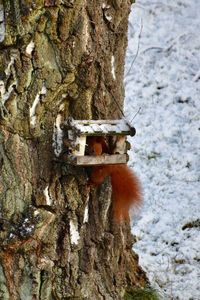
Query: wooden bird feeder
x=80, y=133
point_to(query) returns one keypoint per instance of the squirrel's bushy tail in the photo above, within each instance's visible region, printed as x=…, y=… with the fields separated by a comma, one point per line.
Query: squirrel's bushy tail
x=126, y=189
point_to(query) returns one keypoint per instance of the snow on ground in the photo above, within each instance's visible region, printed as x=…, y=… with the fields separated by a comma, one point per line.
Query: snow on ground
x=165, y=82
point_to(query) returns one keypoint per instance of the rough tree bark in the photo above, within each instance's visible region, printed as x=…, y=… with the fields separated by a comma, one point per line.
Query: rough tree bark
x=59, y=58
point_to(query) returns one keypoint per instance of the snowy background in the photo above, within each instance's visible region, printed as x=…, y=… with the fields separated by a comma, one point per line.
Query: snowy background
x=164, y=81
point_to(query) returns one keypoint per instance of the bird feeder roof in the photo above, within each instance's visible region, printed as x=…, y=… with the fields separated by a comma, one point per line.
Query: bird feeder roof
x=101, y=127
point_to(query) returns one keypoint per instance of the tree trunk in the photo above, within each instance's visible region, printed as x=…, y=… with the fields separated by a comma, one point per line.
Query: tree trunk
x=58, y=240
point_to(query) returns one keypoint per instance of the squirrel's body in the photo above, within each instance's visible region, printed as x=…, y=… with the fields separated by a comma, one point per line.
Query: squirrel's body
x=126, y=190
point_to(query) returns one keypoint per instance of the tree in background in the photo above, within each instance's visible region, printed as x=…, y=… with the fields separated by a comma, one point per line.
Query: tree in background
x=59, y=59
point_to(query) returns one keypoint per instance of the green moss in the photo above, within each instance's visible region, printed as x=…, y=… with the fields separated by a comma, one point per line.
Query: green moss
x=4, y=294
x=81, y=108
x=141, y=294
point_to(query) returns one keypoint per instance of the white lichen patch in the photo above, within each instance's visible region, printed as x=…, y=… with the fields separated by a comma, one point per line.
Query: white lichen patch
x=85, y=32
x=74, y=234
x=5, y=91
x=2, y=88
x=107, y=12
x=86, y=214
x=5, y=95
x=36, y=212
x=30, y=47
x=108, y=16
x=32, y=111
x=58, y=136
x=2, y=24
x=11, y=63
x=47, y=196
x=105, y=6
x=113, y=67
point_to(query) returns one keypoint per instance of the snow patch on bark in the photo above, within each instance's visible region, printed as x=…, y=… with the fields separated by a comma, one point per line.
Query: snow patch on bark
x=113, y=67
x=5, y=95
x=47, y=196
x=86, y=216
x=30, y=47
x=2, y=24
x=34, y=105
x=74, y=234
x=86, y=33
x=58, y=135
x=5, y=92
x=11, y=63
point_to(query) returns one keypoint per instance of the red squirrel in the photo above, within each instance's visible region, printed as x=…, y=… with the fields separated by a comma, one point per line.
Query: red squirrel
x=126, y=190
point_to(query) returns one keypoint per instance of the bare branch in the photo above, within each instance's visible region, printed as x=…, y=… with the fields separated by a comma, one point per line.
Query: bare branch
x=138, y=48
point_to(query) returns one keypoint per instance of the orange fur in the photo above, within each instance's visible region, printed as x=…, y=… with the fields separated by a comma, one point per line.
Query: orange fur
x=97, y=145
x=126, y=190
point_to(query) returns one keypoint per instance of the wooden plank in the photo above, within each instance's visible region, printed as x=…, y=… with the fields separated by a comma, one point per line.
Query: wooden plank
x=81, y=143
x=121, y=123
x=88, y=122
x=101, y=160
x=113, y=133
